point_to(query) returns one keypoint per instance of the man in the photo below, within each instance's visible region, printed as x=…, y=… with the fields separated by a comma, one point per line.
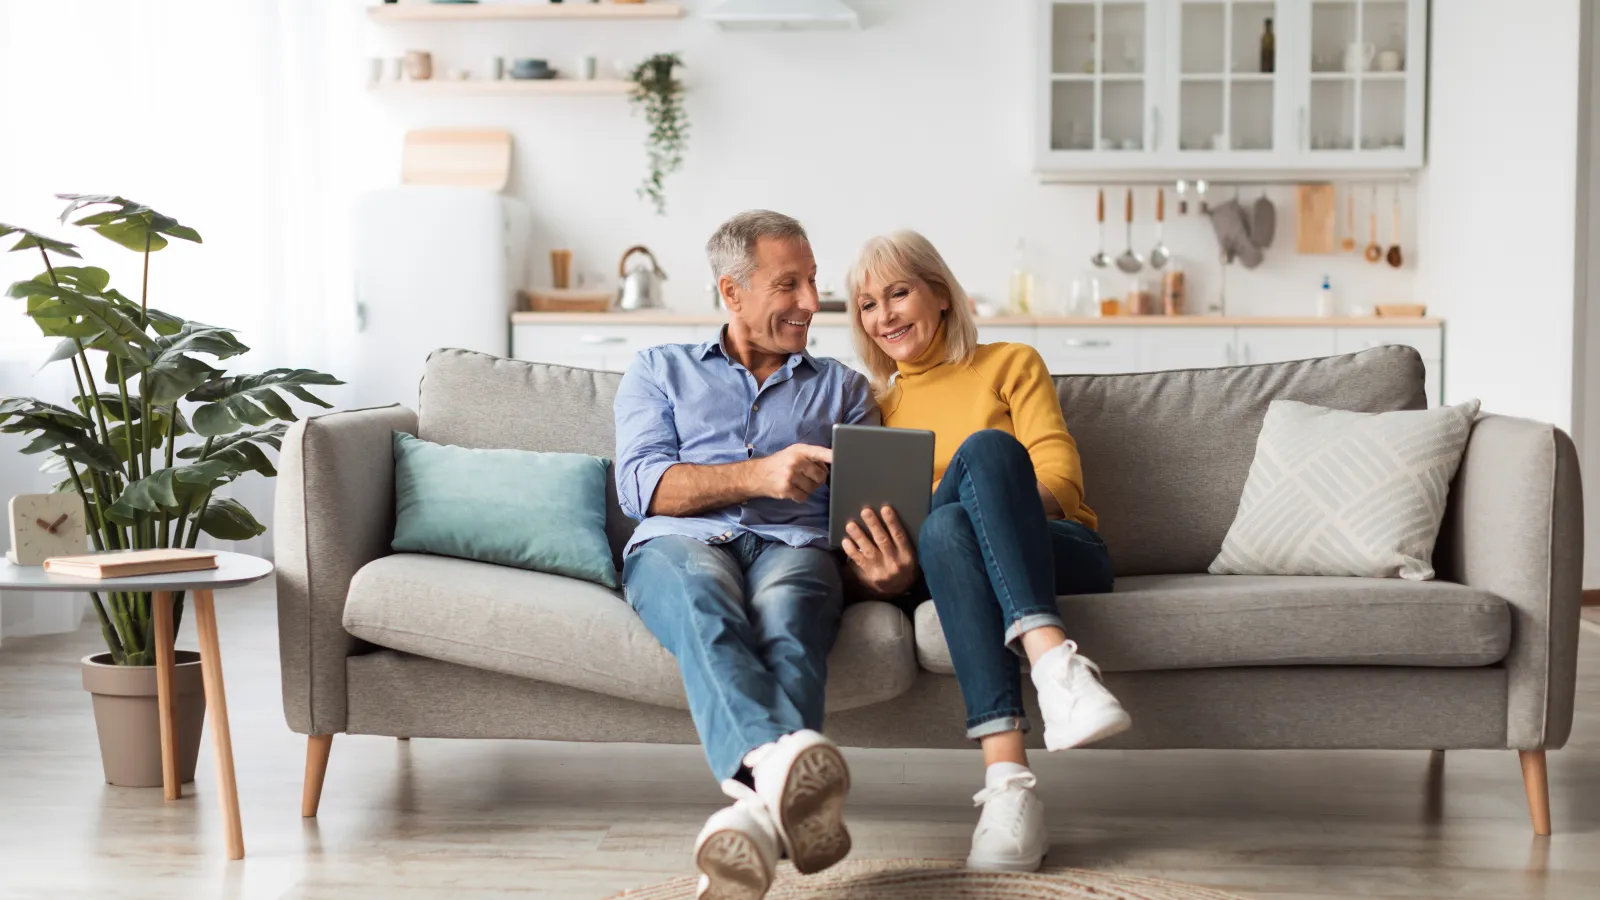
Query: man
x=723, y=452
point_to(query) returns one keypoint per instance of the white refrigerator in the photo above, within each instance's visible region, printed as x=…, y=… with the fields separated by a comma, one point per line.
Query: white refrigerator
x=434, y=267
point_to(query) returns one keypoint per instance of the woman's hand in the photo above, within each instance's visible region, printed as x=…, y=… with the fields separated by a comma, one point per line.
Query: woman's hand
x=881, y=557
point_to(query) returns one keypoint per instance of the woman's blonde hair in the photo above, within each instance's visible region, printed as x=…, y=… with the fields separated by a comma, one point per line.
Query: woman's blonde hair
x=897, y=257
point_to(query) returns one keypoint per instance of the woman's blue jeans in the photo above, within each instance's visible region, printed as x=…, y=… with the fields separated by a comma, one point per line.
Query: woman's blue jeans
x=994, y=565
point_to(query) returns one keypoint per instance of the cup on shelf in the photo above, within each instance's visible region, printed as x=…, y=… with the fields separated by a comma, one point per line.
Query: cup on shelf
x=1108, y=144
x=396, y=68
x=1358, y=56
x=419, y=65
x=589, y=67
x=1219, y=142
x=1389, y=61
x=375, y=69
x=497, y=68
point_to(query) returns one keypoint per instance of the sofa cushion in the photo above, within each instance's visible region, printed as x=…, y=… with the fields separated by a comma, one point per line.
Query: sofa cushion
x=1155, y=622
x=1165, y=455
x=579, y=634
x=472, y=399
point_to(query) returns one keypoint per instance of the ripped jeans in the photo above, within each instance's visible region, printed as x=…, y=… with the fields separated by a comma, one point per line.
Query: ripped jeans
x=751, y=623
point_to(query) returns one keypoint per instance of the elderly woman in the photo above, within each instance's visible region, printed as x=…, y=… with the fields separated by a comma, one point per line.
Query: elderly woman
x=1008, y=530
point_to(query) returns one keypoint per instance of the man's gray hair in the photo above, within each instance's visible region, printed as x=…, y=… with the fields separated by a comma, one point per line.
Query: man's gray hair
x=732, y=249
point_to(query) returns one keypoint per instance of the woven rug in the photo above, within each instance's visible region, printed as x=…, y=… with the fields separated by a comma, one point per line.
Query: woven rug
x=924, y=879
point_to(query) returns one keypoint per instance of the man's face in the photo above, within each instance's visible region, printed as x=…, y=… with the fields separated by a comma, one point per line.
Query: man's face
x=775, y=310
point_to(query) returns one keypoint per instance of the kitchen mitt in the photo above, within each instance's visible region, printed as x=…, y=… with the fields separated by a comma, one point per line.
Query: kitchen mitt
x=1263, y=222
x=1233, y=233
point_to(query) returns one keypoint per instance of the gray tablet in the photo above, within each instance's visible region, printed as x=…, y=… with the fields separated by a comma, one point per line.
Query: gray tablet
x=876, y=467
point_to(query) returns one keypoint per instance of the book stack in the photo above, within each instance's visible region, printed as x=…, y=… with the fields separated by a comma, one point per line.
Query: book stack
x=128, y=563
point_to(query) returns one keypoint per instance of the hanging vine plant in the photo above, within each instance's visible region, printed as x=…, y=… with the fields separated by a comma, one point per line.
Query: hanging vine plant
x=661, y=97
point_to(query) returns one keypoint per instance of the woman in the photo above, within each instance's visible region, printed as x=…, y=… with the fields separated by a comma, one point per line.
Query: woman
x=1008, y=530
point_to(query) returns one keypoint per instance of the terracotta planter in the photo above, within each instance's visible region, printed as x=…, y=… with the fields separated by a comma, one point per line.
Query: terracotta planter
x=125, y=714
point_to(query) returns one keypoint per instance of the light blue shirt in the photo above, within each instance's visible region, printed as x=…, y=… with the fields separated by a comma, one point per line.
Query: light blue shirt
x=688, y=403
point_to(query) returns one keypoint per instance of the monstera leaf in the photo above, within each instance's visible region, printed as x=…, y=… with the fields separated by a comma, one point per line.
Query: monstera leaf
x=229, y=404
x=61, y=431
x=227, y=520
x=32, y=239
x=131, y=224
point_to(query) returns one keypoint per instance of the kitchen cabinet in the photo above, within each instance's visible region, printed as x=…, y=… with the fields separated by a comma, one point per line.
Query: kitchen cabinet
x=1069, y=347
x=1152, y=87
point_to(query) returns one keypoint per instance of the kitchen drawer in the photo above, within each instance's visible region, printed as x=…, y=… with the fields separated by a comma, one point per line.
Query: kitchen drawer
x=610, y=347
x=1094, y=350
x=1271, y=345
x=1206, y=347
x=1428, y=341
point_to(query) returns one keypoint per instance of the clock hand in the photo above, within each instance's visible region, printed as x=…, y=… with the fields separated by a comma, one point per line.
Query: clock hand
x=43, y=524
x=58, y=523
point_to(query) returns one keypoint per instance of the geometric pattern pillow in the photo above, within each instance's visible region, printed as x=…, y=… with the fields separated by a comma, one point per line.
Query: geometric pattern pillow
x=1332, y=492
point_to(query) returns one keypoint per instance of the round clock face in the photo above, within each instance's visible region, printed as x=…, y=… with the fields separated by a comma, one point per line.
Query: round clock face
x=46, y=525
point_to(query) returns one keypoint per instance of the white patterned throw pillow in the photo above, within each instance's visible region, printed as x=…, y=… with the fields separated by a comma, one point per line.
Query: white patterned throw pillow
x=1332, y=492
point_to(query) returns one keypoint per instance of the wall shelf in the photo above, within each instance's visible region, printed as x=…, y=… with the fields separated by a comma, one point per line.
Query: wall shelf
x=488, y=12
x=570, y=87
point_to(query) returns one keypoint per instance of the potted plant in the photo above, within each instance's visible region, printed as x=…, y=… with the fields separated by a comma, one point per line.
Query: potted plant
x=661, y=97
x=155, y=432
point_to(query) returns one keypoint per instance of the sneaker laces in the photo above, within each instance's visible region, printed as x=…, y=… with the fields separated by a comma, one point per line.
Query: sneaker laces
x=1069, y=672
x=1019, y=781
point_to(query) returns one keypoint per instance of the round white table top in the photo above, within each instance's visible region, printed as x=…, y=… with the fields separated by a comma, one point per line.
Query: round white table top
x=233, y=570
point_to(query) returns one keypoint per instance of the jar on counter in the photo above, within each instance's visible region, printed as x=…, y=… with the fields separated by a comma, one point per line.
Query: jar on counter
x=1141, y=298
x=1174, y=292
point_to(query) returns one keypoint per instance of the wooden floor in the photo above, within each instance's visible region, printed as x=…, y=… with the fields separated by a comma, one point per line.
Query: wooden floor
x=464, y=819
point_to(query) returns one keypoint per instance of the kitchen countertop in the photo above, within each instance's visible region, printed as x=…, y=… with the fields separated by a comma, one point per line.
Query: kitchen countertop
x=667, y=317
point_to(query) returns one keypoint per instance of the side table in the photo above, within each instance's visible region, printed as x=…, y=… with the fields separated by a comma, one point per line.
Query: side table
x=233, y=570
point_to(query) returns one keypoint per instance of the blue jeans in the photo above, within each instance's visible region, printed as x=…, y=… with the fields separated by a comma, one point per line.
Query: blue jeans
x=751, y=622
x=994, y=565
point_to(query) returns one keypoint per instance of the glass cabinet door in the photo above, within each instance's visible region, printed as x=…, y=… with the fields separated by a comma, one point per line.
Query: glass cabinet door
x=1227, y=83
x=1358, y=78
x=1100, y=76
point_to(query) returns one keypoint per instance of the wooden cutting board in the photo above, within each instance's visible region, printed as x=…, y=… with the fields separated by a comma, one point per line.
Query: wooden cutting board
x=457, y=157
x=1316, y=218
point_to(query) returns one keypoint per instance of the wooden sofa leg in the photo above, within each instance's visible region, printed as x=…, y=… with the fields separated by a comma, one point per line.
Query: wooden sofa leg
x=1536, y=780
x=317, y=748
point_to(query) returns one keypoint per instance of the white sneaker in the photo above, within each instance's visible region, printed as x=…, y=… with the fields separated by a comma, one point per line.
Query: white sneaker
x=803, y=780
x=737, y=850
x=1077, y=708
x=1010, y=835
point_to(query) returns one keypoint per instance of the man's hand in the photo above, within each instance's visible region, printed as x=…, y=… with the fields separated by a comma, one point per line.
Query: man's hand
x=881, y=555
x=792, y=473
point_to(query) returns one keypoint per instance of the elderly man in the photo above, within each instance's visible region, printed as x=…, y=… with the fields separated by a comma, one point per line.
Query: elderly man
x=723, y=452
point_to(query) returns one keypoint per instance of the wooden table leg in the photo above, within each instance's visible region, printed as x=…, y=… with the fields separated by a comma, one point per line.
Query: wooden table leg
x=217, y=701
x=166, y=706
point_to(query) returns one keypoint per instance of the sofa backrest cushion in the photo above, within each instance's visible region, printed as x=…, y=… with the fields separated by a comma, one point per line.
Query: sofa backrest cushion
x=1166, y=454
x=472, y=399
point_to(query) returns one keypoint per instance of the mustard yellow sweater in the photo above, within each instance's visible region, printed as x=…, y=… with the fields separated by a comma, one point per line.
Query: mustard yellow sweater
x=1003, y=386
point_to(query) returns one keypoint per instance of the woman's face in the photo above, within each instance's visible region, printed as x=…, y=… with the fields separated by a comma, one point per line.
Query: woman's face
x=901, y=316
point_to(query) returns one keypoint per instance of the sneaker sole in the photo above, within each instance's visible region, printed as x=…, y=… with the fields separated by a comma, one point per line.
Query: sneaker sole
x=733, y=865
x=1031, y=864
x=1055, y=739
x=811, y=812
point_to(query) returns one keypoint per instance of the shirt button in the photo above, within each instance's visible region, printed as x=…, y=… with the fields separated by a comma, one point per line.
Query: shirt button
x=755, y=407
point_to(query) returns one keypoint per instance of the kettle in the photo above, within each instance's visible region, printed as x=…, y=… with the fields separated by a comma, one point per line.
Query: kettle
x=641, y=284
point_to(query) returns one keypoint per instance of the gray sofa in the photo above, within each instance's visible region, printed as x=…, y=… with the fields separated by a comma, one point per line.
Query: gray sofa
x=379, y=643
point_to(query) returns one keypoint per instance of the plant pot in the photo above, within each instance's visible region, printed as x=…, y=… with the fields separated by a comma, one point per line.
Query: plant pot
x=127, y=717
x=662, y=69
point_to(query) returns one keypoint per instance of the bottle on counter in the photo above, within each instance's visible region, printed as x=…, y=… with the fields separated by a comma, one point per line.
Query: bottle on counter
x=1269, y=48
x=1326, y=308
x=1173, y=291
x=1021, y=282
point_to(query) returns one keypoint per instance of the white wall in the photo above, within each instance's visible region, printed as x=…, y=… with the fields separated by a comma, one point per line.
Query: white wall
x=1497, y=202
x=1586, y=343
x=922, y=119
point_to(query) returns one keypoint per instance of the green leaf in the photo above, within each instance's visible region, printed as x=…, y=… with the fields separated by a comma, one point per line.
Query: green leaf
x=56, y=430
x=173, y=374
x=272, y=436
x=167, y=491
x=67, y=349
x=242, y=457
x=163, y=323
x=32, y=239
x=114, y=331
x=131, y=224
x=227, y=520
x=233, y=402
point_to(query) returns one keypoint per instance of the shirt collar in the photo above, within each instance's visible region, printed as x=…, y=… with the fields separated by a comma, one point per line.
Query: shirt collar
x=720, y=347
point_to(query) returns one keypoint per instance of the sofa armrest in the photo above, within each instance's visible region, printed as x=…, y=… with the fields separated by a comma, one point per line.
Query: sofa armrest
x=1515, y=527
x=334, y=514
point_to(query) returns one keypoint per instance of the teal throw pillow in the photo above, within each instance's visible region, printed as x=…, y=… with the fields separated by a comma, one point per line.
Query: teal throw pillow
x=539, y=511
